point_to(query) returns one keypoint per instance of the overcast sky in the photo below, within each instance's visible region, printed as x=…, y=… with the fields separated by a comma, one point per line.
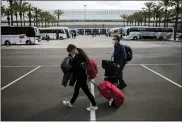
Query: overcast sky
x=123, y=5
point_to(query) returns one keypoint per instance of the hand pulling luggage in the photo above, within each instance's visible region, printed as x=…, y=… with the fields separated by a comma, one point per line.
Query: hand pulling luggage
x=110, y=91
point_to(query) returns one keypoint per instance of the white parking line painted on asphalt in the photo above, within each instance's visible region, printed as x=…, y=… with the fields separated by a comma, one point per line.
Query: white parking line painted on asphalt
x=161, y=76
x=92, y=113
x=20, y=78
x=170, y=64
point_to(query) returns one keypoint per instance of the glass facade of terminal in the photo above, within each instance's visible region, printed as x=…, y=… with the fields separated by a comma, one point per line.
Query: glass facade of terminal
x=89, y=14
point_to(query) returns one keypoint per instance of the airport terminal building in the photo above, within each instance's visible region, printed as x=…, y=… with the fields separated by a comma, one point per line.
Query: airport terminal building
x=90, y=19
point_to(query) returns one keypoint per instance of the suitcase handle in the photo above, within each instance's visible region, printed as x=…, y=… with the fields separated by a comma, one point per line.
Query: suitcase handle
x=91, y=81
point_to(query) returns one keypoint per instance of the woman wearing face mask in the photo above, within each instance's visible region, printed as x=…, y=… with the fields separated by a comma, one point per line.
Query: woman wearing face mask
x=79, y=59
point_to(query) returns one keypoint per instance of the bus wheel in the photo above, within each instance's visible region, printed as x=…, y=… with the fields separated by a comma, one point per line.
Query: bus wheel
x=135, y=38
x=7, y=43
x=28, y=42
x=61, y=38
x=160, y=38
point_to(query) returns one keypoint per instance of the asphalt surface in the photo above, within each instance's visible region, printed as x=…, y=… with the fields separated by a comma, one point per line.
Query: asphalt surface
x=39, y=95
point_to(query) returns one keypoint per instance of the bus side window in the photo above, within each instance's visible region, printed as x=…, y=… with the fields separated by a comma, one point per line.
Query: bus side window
x=61, y=31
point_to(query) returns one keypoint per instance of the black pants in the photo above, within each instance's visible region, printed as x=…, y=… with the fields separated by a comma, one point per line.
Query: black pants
x=85, y=89
x=122, y=83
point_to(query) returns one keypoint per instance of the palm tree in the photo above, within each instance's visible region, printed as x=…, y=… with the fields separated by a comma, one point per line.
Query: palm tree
x=177, y=4
x=30, y=8
x=158, y=11
x=7, y=13
x=149, y=6
x=22, y=8
x=144, y=11
x=135, y=17
x=42, y=18
x=58, y=13
x=124, y=18
x=37, y=14
x=11, y=10
x=141, y=17
x=166, y=4
x=15, y=10
x=3, y=10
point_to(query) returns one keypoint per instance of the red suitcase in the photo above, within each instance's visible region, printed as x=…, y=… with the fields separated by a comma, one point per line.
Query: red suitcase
x=109, y=91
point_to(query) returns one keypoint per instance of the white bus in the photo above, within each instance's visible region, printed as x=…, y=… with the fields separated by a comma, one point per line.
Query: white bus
x=55, y=33
x=116, y=31
x=143, y=32
x=19, y=35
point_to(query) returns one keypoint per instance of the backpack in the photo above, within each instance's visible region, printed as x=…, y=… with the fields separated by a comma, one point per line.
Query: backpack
x=129, y=53
x=92, y=69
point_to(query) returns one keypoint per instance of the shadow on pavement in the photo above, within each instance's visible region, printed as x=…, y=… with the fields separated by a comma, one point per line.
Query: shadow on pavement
x=62, y=113
x=105, y=110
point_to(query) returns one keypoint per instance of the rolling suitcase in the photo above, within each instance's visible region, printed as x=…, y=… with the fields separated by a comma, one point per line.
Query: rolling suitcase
x=111, y=92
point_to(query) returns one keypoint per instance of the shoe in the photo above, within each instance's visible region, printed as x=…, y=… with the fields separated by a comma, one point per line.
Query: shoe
x=67, y=103
x=111, y=101
x=92, y=108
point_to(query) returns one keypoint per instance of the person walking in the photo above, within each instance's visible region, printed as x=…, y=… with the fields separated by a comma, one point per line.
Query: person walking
x=119, y=55
x=78, y=67
x=74, y=34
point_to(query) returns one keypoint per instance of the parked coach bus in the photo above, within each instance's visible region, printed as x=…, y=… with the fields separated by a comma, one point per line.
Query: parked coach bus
x=142, y=32
x=55, y=33
x=116, y=31
x=19, y=35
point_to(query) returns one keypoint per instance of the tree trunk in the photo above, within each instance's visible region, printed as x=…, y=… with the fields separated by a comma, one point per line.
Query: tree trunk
x=16, y=19
x=34, y=21
x=159, y=21
x=154, y=22
x=11, y=9
x=42, y=23
x=149, y=20
x=167, y=21
x=165, y=18
x=24, y=18
x=20, y=14
x=176, y=21
x=145, y=21
x=45, y=23
x=30, y=17
x=8, y=18
x=138, y=23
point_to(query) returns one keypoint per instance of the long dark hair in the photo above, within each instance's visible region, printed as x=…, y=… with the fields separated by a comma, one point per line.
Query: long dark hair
x=81, y=51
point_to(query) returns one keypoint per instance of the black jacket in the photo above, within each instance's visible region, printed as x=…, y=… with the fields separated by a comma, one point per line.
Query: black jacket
x=119, y=55
x=79, y=68
x=68, y=76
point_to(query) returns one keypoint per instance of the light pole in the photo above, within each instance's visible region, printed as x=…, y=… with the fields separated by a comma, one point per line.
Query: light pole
x=85, y=18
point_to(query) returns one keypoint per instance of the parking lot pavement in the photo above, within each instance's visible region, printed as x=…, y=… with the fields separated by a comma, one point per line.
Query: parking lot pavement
x=39, y=94
x=148, y=97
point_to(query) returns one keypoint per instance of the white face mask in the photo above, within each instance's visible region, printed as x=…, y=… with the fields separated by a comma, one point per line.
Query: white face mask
x=113, y=42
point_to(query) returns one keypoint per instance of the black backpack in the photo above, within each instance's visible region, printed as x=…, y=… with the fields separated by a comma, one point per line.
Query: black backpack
x=129, y=53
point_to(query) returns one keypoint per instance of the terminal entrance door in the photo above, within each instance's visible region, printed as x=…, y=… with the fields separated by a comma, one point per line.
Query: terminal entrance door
x=88, y=31
x=102, y=31
x=80, y=31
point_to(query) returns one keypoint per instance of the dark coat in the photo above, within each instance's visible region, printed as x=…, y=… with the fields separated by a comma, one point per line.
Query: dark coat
x=68, y=76
x=79, y=69
x=119, y=55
